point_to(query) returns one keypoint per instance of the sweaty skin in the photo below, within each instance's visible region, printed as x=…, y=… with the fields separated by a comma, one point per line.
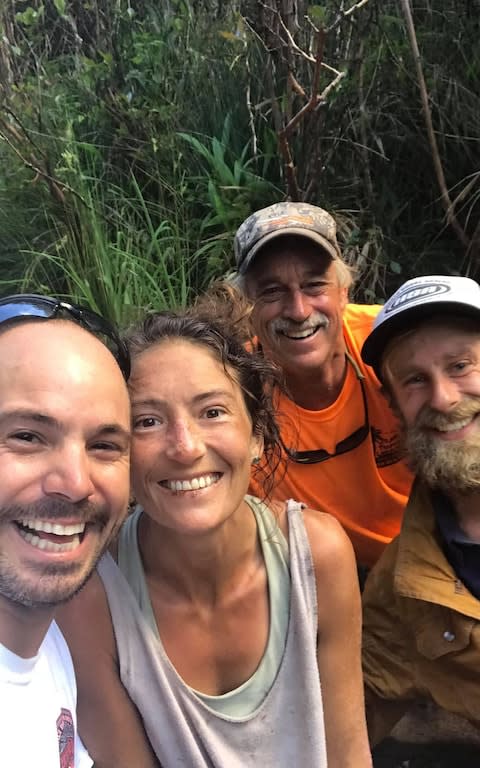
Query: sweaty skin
x=64, y=469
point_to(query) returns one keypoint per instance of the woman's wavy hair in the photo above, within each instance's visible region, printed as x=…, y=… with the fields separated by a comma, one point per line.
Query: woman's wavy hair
x=219, y=321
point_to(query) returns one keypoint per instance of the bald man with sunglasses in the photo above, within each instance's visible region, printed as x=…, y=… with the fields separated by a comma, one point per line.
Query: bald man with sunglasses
x=340, y=439
x=64, y=488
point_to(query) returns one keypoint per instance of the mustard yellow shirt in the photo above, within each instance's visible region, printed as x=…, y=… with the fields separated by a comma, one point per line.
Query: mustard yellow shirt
x=421, y=634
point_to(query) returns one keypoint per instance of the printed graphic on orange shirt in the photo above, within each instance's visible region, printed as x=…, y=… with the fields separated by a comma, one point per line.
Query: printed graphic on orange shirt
x=387, y=447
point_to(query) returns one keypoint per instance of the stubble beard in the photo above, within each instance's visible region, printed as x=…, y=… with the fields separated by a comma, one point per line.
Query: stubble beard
x=34, y=586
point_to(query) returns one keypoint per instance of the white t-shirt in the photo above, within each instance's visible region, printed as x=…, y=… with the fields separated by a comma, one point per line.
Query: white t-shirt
x=38, y=724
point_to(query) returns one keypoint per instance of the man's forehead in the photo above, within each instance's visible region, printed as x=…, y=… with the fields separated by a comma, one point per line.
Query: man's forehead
x=30, y=343
x=456, y=330
x=290, y=261
x=58, y=356
x=439, y=340
x=40, y=330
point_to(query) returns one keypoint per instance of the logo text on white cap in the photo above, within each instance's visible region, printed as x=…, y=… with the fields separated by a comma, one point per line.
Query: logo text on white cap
x=412, y=294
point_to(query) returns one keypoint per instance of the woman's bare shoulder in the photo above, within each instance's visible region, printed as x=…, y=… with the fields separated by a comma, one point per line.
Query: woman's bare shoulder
x=329, y=543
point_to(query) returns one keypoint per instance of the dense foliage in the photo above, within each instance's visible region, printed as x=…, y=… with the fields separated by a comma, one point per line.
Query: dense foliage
x=135, y=136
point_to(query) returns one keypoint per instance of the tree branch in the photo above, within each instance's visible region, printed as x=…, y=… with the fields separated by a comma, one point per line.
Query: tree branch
x=427, y=115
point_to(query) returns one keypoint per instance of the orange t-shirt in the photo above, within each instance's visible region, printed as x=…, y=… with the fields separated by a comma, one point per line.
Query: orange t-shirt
x=367, y=488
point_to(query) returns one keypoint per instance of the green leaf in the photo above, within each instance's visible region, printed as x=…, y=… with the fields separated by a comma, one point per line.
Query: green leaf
x=230, y=36
x=396, y=267
x=60, y=6
x=29, y=16
x=318, y=14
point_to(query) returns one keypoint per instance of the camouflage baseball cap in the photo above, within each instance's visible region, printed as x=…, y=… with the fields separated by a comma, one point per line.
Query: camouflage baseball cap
x=284, y=219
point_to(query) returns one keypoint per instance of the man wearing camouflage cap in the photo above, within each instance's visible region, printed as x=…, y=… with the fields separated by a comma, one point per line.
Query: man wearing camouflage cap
x=340, y=439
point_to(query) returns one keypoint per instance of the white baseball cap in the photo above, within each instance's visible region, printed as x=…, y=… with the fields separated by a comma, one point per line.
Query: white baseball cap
x=419, y=299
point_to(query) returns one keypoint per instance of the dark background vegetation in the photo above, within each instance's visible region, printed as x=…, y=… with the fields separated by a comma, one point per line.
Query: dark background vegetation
x=136, y=135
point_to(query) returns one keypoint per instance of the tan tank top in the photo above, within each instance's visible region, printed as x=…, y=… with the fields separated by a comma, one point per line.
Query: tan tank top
x=246, y=698
x=285, y=729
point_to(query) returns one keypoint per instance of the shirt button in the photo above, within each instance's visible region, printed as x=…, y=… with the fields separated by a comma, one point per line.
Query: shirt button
x=448, y=636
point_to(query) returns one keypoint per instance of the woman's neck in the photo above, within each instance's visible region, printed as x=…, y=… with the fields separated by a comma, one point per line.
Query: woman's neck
x=200, y=568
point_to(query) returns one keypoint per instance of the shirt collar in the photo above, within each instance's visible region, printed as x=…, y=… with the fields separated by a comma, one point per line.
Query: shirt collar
x=447, y=522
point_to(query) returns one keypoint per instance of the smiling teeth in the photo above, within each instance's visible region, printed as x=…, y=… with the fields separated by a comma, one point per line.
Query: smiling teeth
x=49, y=546
x=300, y=334
x=454, y=427
x=73, y=530
x=56, y=528
x=204, y=481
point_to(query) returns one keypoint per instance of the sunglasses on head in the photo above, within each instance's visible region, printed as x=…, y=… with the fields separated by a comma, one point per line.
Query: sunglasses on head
x=31, y=305
x=349, y=443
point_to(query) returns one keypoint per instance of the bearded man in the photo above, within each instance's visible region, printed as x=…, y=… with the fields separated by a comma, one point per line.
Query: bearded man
x=422, y=599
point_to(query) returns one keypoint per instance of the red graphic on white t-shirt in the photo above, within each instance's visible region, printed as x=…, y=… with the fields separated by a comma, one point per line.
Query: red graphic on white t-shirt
x=66, y=739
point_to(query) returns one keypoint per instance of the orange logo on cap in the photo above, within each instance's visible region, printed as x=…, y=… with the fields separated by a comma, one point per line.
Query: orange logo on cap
x=288, y=220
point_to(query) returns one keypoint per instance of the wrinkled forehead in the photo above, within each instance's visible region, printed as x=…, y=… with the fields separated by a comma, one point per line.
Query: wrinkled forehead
x=75, y=391
x=173, y=364
x=288, y=256
x=430, y=339
x=166, y=355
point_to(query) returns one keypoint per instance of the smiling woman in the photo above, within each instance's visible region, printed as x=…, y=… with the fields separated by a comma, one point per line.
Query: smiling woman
x=193, y=440
x=234, y=626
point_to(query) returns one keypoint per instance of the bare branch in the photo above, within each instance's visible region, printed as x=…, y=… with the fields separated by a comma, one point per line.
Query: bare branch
x=277, y=32
x=427, y=115
x=23, y=129
x=251, y=119
x=293, y=44
x=355, y=7
x=326, y=91
x=296, y=85
x=341, y=15
x=57, y=187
